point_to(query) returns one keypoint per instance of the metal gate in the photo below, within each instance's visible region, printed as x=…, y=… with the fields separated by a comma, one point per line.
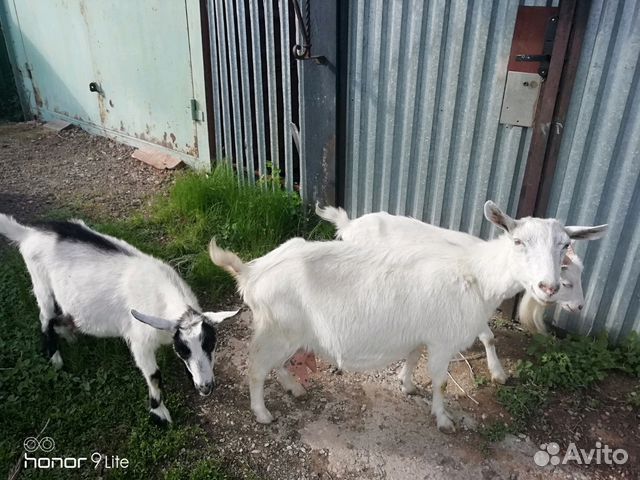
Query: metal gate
x=255, y=88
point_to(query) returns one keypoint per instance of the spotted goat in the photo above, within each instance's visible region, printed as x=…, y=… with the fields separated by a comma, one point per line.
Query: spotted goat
x=99, y=285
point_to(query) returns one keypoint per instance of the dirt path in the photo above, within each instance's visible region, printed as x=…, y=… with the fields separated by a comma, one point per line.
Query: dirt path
x=42, y=170
x=348, y=425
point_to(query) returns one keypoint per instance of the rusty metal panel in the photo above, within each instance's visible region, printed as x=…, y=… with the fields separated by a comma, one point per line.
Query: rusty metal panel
x=425, y=83
x=598, y=172
x=145, y=58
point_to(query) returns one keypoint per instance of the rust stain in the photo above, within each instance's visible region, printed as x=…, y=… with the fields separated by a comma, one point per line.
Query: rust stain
x=148, y=138
x=173, y=137
x=111, y=103
x=193, y=151
x=104, y=113
x=121, y=126
x=36, y=92
x=37, y=96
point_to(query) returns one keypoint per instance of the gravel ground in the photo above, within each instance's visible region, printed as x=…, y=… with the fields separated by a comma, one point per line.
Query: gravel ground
x=43, y=170
x=348, y=425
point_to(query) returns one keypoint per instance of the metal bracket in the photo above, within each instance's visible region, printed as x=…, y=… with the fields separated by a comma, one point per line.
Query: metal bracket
x=547, y=49
x=196, y=114
x=303, y=52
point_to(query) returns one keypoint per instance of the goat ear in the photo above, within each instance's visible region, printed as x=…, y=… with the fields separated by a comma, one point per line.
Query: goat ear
x=586, y=233
x=217, y=317
x=498, y=217
x=155, y=322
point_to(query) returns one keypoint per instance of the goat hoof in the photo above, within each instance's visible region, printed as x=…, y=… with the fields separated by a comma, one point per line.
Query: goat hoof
x=297, y=390
x=500, y=378
x=264, y=417
x=158, y=420
x=445, y=425
x=408, y=389
x=56, y=361
x=160, y=416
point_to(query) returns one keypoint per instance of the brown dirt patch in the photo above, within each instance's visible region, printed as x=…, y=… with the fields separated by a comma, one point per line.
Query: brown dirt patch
x=71, y=170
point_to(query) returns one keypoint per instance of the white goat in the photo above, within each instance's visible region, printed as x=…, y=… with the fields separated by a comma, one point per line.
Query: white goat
x=393, y=230
x=90, y=282
x=570, y=296
x=363, y=307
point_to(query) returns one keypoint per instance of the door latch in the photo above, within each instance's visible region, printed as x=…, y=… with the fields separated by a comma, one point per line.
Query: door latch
x=547, y=49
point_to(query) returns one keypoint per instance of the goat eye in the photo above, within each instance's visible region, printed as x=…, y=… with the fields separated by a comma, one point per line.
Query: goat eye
x=567, y=285
x=565, y=246
x=518, y=242
x=208, y=338
x=181, y=348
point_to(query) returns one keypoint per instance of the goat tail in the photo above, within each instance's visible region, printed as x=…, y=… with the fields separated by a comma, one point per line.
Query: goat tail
x=226, y=259
x=337, y=216
x=531, y=314
x=11, y=229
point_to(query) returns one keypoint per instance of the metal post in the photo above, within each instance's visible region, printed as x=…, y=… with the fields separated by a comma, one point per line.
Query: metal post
x=318, y=112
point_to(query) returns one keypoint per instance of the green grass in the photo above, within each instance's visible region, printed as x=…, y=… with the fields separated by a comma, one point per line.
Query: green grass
x=570, y=364
x=98, y=402
x=248, y=220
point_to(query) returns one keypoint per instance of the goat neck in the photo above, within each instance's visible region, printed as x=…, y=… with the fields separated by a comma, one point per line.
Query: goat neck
x=494, y=267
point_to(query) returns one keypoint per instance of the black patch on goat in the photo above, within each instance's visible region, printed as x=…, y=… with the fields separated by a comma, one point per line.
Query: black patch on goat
x=56, y=308
x=156, y=378
x=76, y=233
x=154, y=402
x=208, y=338
x=180, y=347
x=50, y=339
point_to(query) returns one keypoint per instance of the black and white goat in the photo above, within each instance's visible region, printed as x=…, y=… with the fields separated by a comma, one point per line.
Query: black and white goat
x=98, y=285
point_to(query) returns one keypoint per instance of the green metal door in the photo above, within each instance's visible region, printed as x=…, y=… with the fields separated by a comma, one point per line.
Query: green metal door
x=130, y=70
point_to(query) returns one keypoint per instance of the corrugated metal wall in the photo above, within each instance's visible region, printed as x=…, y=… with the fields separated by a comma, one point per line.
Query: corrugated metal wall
x=598, y=173
x=254, y=86
x=425, y=86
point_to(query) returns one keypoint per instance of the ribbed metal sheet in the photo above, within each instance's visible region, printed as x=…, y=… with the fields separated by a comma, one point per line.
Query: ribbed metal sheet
x=598, y=173
x=252, y=81
x=425, y=85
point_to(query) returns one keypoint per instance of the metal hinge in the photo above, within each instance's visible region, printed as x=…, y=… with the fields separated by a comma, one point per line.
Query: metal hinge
x=545, y=58
x=196, y=114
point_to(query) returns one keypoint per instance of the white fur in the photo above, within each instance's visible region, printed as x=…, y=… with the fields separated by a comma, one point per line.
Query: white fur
x=99, y=288
x=365, y=306
x=393, y=230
